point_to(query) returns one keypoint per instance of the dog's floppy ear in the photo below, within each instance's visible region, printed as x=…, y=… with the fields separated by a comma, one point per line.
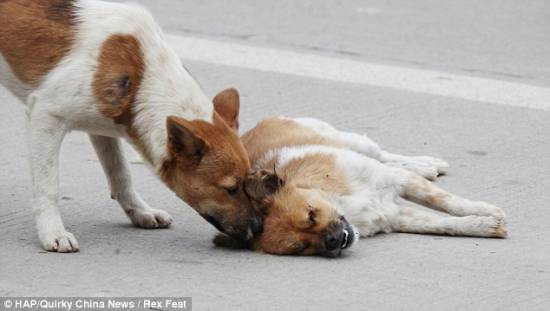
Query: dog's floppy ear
x=262, y=184
x=184, y=140
x=227, y=105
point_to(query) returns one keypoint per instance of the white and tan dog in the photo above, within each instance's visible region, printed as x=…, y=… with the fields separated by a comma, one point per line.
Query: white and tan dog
x=327, y=179
x=105, y=68
x=330, y=186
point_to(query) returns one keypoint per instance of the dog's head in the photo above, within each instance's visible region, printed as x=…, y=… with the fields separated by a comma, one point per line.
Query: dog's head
x=297, y=221
x=207, y=167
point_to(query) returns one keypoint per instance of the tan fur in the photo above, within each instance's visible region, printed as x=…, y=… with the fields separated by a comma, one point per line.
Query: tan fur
x=317, y=171
x=426, y=194
x=288, y=228
x=203, y=182
x=121, y=58
x=35, y=35
x=227, y=105
x=275, y=133
x=307, y=183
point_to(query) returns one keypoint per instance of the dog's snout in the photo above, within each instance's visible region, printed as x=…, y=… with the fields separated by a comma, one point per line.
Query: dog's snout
x=332, y=240
x=256, y=225
x=340, y=236
x=214, y=221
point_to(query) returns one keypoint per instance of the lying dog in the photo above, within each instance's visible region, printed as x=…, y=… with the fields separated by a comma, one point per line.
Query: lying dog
x=105, y=68
x=331, y=186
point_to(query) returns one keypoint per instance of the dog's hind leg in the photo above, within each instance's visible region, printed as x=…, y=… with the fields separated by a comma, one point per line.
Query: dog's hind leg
x=414, y=188
x=45, y=134
x=411, y=220
x=111, y=156
x=428, y=167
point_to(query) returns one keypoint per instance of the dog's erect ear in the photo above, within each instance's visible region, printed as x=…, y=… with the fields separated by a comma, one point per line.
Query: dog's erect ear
x=262, y=184
x=184, y=140
x=227, y=105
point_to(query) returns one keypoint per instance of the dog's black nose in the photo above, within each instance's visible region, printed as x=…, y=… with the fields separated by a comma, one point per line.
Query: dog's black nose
x=256, y=225
x=332, y=242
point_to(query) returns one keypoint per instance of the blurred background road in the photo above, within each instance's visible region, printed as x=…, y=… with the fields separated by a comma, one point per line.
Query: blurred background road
x=452, y=79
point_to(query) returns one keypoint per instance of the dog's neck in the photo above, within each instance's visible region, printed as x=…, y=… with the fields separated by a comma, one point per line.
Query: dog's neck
x=148, y=132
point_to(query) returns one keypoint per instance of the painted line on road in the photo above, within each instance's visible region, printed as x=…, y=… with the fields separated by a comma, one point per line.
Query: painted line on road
x=350, y=71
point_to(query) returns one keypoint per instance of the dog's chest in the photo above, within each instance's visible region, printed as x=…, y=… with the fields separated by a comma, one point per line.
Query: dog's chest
x=371, y=204
x=369, y=210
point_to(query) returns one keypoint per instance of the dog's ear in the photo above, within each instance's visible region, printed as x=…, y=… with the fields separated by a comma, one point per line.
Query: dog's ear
x=227, y=105
x=184, y=139
x=262, y=184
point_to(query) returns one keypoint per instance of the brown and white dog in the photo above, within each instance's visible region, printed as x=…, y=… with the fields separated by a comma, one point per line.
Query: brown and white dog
x=332, y=186
x=105, y=68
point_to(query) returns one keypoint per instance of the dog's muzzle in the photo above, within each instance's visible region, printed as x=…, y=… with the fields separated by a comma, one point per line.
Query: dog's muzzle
x=340, y=236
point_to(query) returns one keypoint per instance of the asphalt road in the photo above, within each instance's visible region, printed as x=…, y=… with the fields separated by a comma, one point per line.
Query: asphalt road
x=497, y=153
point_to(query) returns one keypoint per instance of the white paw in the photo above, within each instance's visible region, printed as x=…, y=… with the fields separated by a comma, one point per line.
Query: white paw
x=150, y=218
x=427, y=171
x=492, y=227
x=440, y=165
x=59, y=241
x=427, y=167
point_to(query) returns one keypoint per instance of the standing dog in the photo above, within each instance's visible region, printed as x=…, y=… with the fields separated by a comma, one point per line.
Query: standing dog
x=105, y=68
x=330, y=186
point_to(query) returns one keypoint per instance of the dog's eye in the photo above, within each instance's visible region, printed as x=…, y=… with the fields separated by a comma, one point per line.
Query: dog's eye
x=311, y=216
x=232, y=191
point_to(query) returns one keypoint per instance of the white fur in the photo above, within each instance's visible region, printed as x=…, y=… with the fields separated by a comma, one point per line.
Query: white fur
x=380, y=180
x=63, y=101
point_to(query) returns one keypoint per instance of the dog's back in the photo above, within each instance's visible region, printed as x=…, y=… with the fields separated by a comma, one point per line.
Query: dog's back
x=34, y=37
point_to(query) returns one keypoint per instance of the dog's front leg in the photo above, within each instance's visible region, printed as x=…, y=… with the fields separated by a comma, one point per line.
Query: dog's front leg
x=45, y=134
x=425, y=166
x=428, y=167
x=111, y=156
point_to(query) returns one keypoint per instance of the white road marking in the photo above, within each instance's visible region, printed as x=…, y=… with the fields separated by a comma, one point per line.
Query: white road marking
x=350, y=71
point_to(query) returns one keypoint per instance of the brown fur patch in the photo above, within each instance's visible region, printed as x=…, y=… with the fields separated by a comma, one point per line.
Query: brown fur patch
x=288, y=228
x=316, y=171
x=308, y=182
x=203, y=182
x=227, y=105
x=423, y=192
x=275, y=133
x=35, y=35
x=118, y=76
x=117, y=81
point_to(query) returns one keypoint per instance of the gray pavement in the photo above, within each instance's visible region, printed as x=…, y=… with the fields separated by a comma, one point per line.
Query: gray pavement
x=498, y=154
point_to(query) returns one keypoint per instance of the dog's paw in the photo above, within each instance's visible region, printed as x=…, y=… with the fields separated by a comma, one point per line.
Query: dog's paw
x=496, y=227
x=150, y=218
x=59, y=241
x=427, y=167
x=427, y=171
x=441, y=166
